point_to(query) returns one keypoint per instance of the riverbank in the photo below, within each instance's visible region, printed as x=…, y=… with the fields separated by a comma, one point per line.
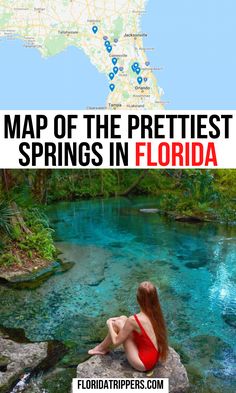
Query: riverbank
x=26, y=246
x=206, y=194
x=19, y=262
x=30, y=272
x=22, y=259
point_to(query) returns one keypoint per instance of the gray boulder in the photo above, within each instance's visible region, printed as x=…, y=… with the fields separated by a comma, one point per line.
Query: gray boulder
x=115, y=365
x=18, y=358
x=149, y=211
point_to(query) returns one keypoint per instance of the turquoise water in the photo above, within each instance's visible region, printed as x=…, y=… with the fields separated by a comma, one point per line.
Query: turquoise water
x=115, y=247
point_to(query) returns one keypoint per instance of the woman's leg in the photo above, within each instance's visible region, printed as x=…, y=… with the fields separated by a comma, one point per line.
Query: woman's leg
x=103, y=347
x=132, y=355
x=129, y=346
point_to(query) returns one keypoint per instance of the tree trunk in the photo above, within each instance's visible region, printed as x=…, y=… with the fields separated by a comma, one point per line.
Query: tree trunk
x=6, y=180
x=40, y=184
x=134, y=184
x=17, y=219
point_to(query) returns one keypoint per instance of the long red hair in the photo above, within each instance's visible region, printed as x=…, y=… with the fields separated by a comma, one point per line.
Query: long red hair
x=148, y=300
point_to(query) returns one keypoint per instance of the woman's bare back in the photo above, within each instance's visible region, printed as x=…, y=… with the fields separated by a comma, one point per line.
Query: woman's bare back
x=146, y=323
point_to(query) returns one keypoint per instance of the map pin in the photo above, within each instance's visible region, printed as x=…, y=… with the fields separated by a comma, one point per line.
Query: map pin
x=139, y=79
x=135, y=65
x=114, y=60
x=95, y=29
x=138, y=70
x=112, y=87
x=115, y=69
x=111, y=75
x=145, y=79
x=109, y=48
x=107, y=43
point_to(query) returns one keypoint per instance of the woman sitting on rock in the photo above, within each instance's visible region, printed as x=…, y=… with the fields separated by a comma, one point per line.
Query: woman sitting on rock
x=143, y=335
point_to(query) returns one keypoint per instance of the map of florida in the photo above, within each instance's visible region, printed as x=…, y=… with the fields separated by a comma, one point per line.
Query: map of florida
x=109, y=32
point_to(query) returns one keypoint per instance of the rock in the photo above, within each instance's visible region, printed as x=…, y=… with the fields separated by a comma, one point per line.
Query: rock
x=32, y=280
x=190, y=219
x=150, y=211
x=19, y=358
x=115, y=365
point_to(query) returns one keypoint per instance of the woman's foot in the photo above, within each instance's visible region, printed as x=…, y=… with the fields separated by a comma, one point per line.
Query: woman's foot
x=98, y=350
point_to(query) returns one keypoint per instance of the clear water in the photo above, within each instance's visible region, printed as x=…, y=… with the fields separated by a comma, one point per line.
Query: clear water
x=115, y=247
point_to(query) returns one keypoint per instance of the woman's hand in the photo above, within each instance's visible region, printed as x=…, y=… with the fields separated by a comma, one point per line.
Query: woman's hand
x=110, y=321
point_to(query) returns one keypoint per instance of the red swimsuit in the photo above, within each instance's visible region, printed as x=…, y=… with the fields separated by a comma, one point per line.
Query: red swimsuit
x=147, y=351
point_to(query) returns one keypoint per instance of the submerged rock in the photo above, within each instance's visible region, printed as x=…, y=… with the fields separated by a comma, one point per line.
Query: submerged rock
x=115, y=365
x=90, y=261
x=15, y=334
x=196, y=264
x=4, y=361
x=230, y=319
x=19, y=358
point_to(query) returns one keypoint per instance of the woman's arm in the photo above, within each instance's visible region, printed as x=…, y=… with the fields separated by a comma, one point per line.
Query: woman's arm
x=123, y=334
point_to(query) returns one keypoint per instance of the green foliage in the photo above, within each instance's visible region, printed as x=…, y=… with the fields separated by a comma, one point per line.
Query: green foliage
x=192, y=191
x=16, y=232
x=40, y=240
x=8, y=259
x=6, y=214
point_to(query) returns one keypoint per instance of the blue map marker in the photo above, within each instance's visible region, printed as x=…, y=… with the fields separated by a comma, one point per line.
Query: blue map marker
x=114, y=60
x=115, y=69
x=136, y=65
x=138, y=70
x=107, y=43
x=133, y=68
x=95, y=29
x=111, y=76
x=112, y=87
x=109, y=48
x=139, y=79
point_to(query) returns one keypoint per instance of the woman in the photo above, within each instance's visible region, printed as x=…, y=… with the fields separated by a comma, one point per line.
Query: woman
x=143, y=335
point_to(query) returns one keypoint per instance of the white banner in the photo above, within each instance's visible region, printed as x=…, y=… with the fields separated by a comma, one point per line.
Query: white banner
x=120, y=385
x=118, y=139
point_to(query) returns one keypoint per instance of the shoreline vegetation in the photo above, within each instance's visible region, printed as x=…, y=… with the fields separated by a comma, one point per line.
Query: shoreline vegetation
x=26, y=239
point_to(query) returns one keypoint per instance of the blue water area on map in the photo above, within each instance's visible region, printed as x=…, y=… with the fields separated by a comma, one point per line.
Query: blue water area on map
x=65, y=81
x=195, y=42
x=115, y=246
